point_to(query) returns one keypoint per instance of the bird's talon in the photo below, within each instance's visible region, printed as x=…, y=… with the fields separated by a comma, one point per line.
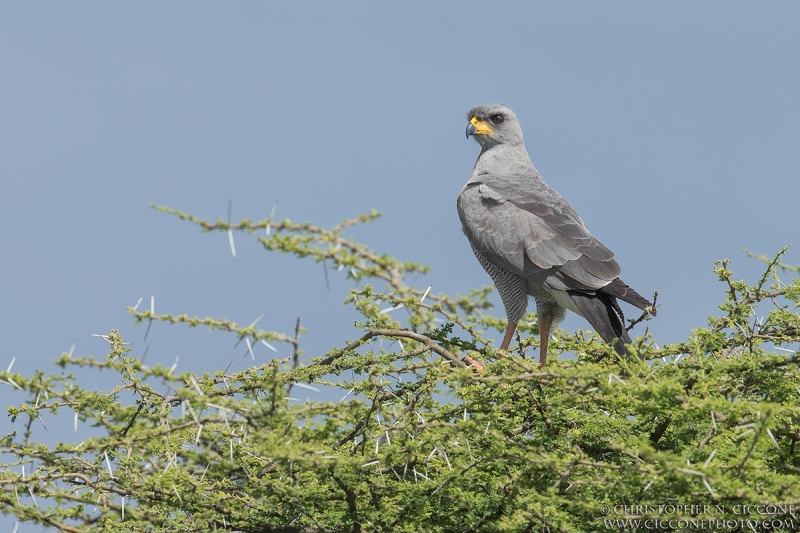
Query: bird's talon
x=474, y=363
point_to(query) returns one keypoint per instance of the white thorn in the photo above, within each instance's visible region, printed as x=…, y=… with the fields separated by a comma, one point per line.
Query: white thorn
x=268, y=345
x=135, y=307
x=271, y=217
x=775, y=442
x=30, y=490
x=305, y=386
x=784, y=349
x=710, y=457
x=254, y=322
x=176, y=489
x=708, y=486
x=433, y=452
x=233, y=246
x=426, y=294
x=196, y=386
x=108, y=463
x=11, y=364
x=250, y=349
x=348, y=394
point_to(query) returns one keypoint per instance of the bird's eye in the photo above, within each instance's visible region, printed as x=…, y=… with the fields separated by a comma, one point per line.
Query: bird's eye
x=498, y=119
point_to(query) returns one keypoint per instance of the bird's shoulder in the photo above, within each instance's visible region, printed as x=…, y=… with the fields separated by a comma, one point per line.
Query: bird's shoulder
x=514, y=218
x=521, y=186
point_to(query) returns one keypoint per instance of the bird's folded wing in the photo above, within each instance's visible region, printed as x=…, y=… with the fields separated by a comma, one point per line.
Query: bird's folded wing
x=536, y=234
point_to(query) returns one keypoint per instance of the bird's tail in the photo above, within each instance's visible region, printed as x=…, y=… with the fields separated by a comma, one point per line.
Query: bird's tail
x=604, y=314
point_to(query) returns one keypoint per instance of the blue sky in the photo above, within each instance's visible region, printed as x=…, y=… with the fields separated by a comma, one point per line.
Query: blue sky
x=672, y=128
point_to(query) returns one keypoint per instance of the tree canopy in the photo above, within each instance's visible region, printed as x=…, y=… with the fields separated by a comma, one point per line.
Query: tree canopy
x=696, y=435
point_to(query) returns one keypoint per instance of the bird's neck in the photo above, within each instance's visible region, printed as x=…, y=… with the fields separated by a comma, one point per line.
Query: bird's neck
x=515, y=153
x=503, y=148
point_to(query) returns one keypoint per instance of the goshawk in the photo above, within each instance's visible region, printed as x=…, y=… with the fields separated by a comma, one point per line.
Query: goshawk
x=533, y=243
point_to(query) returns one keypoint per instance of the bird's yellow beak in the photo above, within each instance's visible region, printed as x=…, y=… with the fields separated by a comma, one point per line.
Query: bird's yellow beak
x=478, y=127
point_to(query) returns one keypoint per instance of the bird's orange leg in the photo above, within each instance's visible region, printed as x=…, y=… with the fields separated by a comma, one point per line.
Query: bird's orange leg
x=545, y=321
x=510, y=329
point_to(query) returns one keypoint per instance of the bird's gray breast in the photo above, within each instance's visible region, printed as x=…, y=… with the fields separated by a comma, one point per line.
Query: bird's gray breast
x=488, y=222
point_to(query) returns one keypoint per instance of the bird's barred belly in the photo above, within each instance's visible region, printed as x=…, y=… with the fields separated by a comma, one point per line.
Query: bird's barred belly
x=514, y=291
x=513, y=288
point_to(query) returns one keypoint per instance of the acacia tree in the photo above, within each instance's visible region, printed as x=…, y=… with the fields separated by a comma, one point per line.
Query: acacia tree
x=696, y=435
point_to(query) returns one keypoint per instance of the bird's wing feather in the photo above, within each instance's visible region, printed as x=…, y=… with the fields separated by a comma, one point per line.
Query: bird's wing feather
x=534, y=232
x=620, y=289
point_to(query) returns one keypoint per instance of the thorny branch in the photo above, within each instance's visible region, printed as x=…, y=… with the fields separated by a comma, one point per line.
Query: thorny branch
x=419, y=444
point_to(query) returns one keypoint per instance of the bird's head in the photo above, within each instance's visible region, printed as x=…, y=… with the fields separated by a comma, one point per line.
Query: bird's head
x=494, y=124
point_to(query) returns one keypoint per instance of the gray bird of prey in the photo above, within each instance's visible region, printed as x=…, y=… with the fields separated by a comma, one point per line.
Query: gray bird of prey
x=533, y=243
